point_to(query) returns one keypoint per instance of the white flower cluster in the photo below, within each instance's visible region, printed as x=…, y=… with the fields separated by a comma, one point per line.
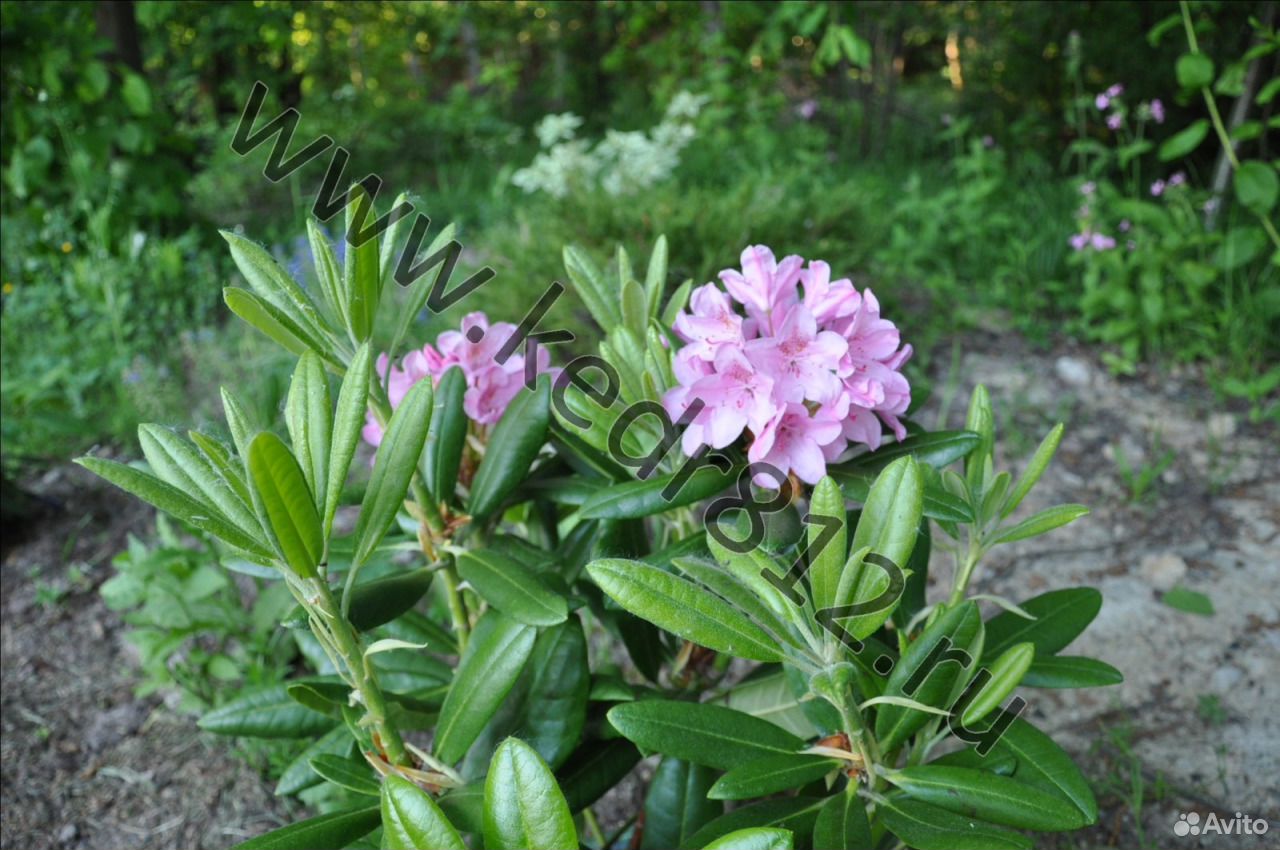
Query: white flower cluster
x=621, y=163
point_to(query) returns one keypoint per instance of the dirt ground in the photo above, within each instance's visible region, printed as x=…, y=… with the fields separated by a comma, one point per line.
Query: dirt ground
x=87, y=765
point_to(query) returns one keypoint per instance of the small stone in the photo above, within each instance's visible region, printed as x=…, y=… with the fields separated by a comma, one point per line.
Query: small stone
x=1163, y=571
x=1225, y=678
x=1072, y=370
x=68, y=833
x=1222, y=426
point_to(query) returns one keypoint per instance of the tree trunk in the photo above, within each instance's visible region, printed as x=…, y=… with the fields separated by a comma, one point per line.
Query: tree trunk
x=117, y=23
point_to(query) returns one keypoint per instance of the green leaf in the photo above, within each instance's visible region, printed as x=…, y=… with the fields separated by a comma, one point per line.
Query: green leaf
x=1060, y=615
x=353, y=399
x=770, y=775
x=511, y=451
x=309, y=418
x=326, y=265
x=796, y=814
x=346, y=773
x=676, y=804
x=393, y=469
x=172, y=501
x=655, y=279
x=177, y=462
x=937, y=502
x=272, y=321
x=1184, y=142
x=298, y=775
x=680, y=606
x=447, y=436
x=635, y=310
x=362, y=277
x=1070, y=671
x=524, y=809
x=415, y=300
x=595, y=768
x=555, y=705
x=285, y=504
x=273, y=284
x=238, y=422
x=1043, y=763
x=755, y=838
x=512, y=588
x=927, y=827
x=1191, y=601
x=1195, y=70
x=265, y=713
x=741, y=596
x=589, y=283
x=986, y=796
x=1006, y=672
x=705, y=734
x=936, y=449
x=961, y=628
x=1041, y=523
x=375, y=603
x=825, y=565
x=411, y=820
x=636, y=499
x=842, y=823
x=335, y=830
x=494, y=658
x=230, y=468
x=1035, y=468
x=676, y=303
x=1257, y=186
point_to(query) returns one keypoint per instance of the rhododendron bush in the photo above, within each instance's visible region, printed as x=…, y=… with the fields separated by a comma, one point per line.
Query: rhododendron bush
x=703, y=538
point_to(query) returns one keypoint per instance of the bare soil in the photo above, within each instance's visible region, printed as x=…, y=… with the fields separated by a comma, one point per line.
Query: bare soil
x=87, y=765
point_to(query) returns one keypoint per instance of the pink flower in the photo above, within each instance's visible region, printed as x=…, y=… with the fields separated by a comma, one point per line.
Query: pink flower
x=1080, y=241
x=1125, y=225
x=491, y=385
x=1177, y=179
x=1157, y=188
x=1101, y=242
x=807, y=373
x=1088, y=188
x=1102, y=101
x=1115, y=90
x=801, y=358
x=764, y=285
x=1157, y=111
x=1115, y=120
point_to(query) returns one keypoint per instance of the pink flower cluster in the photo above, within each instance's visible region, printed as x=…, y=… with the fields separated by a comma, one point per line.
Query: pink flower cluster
x=809, y=369
x=491, y=385
x=1089, y=239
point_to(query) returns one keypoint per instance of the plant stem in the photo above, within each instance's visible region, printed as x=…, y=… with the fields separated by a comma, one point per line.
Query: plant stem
x=457, y=609
x=965, y=572
x=362, y=678
x=1218, y=127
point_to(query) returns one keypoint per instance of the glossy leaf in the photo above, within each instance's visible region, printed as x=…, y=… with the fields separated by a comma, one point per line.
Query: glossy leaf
x=1069, y=671
x=842, y=824
x=770, y=775
x=393, y=469
x=960, y=628
x=825, y=564
x=374, y=603
x=555, y=705
x=354, y=776
x=655, y=278
x=362, y=277
x=705, y=734
x=741, y=596
x=636, y=499
x=1042, y=763
x=285, y=504
x=1060, y=615
x=180, y=464
x=1041, y=523
x=271, y=282
x=1185, y=141
x=238, y=422
x=298, y=775
x=985, y=796
x=265, y=713
x=512, y=448
x=411, y=820
x=349, y=419
x=172, y=501
x=1035, y=468
x=676, y=804
x=309, y=419
x=927, y=827
x=338, y=829
x=447, y=436
x=755, y=838
x=795, y=814
x=1006, y=672
x=595, y=768
x=680, y=606
x=494, y=658
x=935, y=448
x=523, y=807
x=512, y=588
x=270, y=320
